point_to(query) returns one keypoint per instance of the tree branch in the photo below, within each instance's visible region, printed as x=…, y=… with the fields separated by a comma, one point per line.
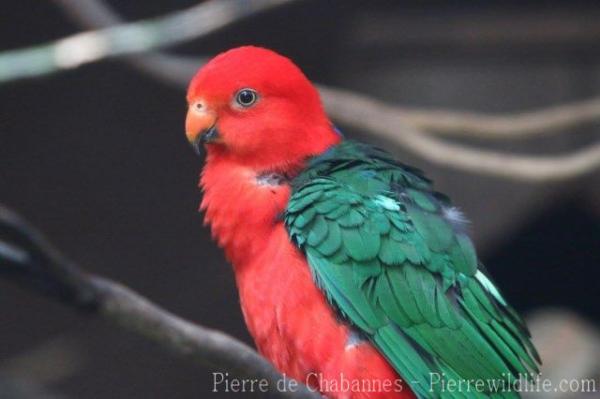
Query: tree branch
x=537, y=123
x=28, y=259
x=176, y=70
x=128, y=38
x=383, y=120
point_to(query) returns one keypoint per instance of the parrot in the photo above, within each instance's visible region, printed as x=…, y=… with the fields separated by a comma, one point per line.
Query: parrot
x=355, y=277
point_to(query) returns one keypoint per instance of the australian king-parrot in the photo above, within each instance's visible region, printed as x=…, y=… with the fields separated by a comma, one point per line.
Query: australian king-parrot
x=355, y=276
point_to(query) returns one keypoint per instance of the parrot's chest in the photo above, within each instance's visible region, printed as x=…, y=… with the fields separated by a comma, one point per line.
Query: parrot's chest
x=242, y=208
x=294, y=326
x=289, y=318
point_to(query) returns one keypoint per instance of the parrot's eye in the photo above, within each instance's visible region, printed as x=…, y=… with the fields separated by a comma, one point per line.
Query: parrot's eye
x=246, y=97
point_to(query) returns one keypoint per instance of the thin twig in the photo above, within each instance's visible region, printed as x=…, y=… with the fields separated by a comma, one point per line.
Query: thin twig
x=129, y=38
x=29, y=260
x=176, y=70
x=523, y=125
x=383, y=120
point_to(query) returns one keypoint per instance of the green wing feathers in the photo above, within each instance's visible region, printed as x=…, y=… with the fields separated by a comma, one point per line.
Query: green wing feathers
x=392, y=256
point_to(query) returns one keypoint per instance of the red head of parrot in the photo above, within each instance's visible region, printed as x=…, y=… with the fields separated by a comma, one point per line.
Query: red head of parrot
x=256, y=107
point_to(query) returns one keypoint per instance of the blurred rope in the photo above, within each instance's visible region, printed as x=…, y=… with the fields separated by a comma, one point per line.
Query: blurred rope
x=29, y=260
x=406, y=127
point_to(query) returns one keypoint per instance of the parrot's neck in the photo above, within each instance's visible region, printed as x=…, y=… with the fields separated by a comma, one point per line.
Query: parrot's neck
x=244, y=205
x=241, y=207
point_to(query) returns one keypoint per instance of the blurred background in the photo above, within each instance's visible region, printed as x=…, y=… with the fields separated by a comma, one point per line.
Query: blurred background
x=96, y=158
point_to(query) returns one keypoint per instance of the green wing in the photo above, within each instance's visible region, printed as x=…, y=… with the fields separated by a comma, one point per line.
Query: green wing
x=392, y=256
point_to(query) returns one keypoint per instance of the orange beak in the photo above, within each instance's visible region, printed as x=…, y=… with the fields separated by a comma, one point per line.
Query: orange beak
x=200, y=126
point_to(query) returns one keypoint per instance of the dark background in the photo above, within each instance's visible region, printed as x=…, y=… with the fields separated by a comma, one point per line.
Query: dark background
x=96, y=157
